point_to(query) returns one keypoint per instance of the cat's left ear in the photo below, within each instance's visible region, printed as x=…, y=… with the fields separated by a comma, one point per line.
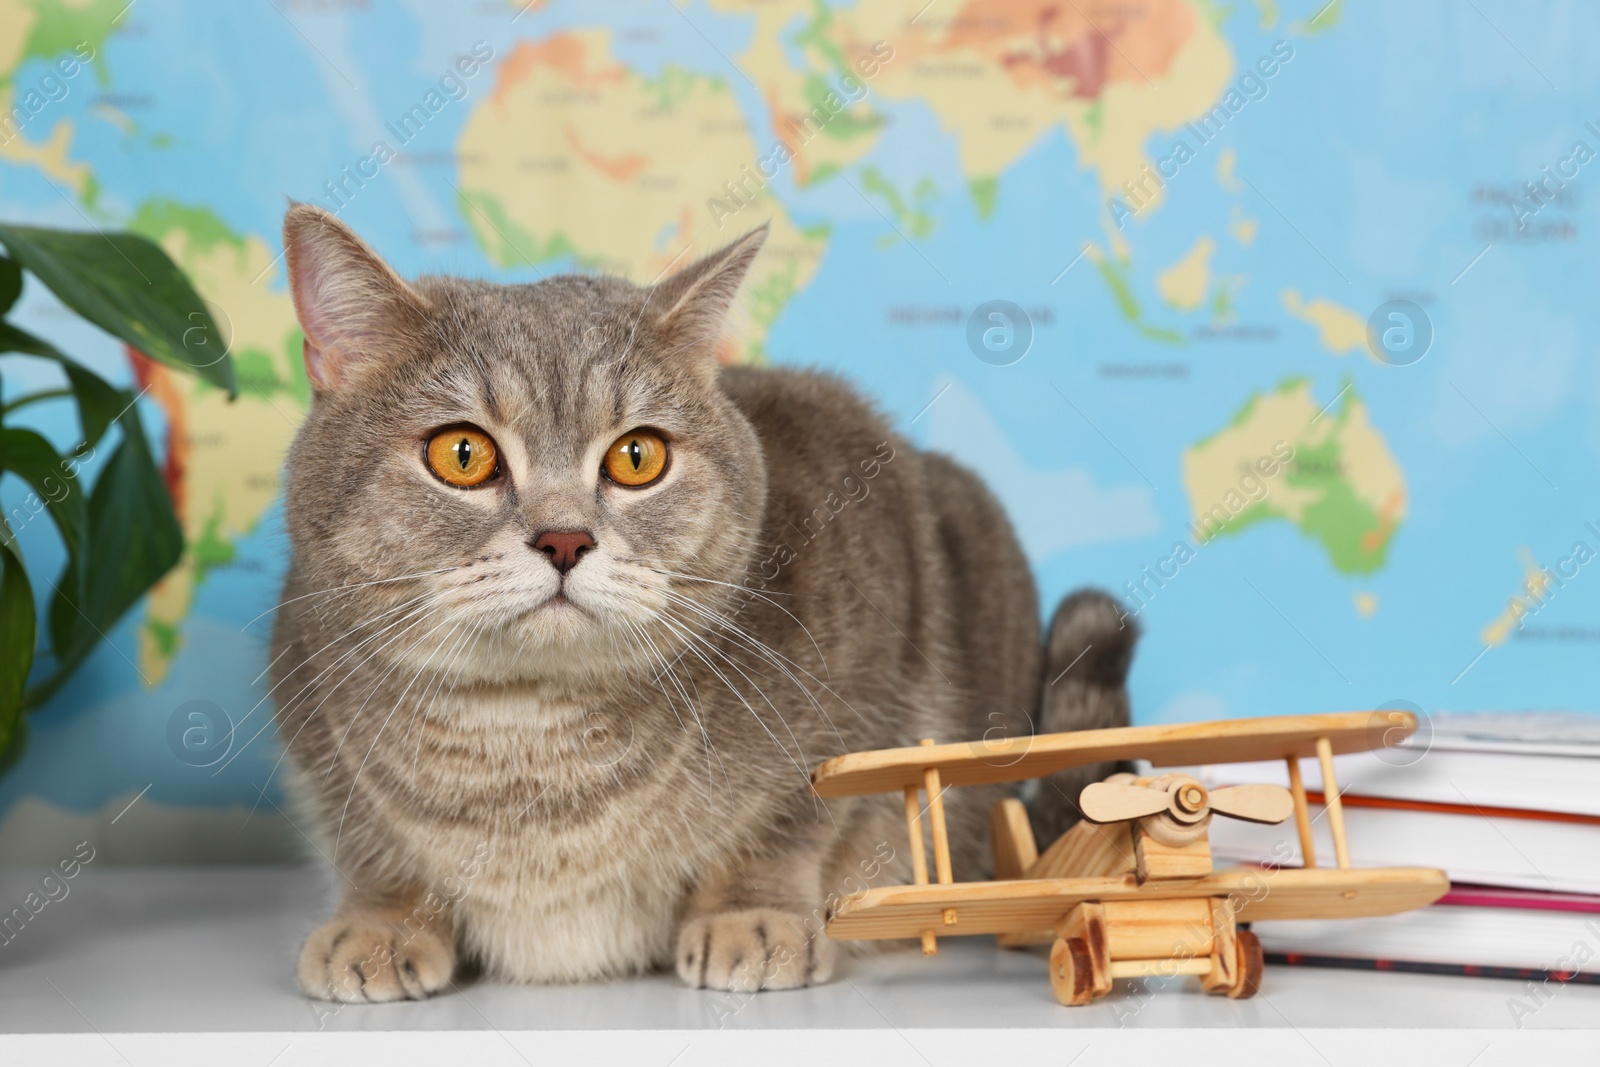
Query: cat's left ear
x=693, y=304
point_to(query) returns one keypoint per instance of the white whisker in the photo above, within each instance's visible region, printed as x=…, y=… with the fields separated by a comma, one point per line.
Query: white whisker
x=407, y=624
x=695, y=643
x=398, y=701
x=778, y=659
x=399, y=662
x=409, y=615
x=694, y=578
x=342, y=589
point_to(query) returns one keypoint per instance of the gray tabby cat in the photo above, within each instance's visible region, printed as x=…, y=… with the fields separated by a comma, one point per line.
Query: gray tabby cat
x=573, y=610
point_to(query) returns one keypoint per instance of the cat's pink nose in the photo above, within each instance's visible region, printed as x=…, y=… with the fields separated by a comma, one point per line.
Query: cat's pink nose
x=564, y=547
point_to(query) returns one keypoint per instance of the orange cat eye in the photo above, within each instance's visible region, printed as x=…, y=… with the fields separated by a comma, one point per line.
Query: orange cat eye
x=463, y=456
x=636, y=459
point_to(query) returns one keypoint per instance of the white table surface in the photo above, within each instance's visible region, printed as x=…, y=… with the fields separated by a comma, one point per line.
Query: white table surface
x=172, y=965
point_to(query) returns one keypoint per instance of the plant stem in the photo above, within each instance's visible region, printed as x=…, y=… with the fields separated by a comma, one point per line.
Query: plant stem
x=21, y=401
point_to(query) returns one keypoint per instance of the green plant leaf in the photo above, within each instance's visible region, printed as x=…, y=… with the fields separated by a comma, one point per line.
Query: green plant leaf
x=19, y=739
x=16, y=651
x=126, y=285
x=134, y=539
x=98, y=400
x=10, y=283
x=54, y=479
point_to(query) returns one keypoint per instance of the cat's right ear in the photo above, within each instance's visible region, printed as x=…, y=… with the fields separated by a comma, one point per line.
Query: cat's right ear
x=353, y=308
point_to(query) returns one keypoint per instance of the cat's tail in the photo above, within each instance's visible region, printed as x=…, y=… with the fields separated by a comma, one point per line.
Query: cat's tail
x=1087, y=655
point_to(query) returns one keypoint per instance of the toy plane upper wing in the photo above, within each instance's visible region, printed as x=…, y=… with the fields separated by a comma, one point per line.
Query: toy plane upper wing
x=1179, y=744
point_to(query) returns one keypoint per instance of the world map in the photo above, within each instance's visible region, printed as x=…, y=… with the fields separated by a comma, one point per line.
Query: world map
x=1290, y=353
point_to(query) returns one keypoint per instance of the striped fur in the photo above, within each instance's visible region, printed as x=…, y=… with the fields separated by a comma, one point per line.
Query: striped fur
x=564, y=792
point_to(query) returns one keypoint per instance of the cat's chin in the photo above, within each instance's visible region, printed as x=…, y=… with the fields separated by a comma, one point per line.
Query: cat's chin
x=557, y=630
x=556, y=641
x=557, y=610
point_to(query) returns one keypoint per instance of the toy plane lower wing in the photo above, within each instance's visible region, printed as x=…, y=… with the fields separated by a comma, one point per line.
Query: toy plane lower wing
x=1026, y=905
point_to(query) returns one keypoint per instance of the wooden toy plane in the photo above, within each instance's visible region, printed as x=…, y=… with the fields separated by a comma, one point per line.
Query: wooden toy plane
x=1128, y=891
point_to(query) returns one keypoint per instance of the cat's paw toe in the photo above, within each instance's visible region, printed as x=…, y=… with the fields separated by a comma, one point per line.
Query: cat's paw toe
x=359, y=959
x=758, y=948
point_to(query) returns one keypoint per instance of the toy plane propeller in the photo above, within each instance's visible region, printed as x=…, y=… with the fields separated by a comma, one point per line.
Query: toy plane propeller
x=1123, y=797
x=1130, y=890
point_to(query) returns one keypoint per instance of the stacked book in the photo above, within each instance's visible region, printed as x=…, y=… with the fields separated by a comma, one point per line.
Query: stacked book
x=1508, y=805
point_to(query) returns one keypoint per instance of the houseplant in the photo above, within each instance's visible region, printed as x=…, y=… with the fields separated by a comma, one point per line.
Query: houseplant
x=121, y=534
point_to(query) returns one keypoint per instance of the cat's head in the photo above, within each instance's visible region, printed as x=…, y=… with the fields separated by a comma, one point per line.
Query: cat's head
x=522, y=481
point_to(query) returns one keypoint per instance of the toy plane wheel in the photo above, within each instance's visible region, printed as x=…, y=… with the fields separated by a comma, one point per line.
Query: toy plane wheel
x=1251, y=963
x=1071, y=971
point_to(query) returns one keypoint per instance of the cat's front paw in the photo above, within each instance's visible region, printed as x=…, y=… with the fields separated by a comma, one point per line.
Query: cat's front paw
x=361, y=959
x=758, y=948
